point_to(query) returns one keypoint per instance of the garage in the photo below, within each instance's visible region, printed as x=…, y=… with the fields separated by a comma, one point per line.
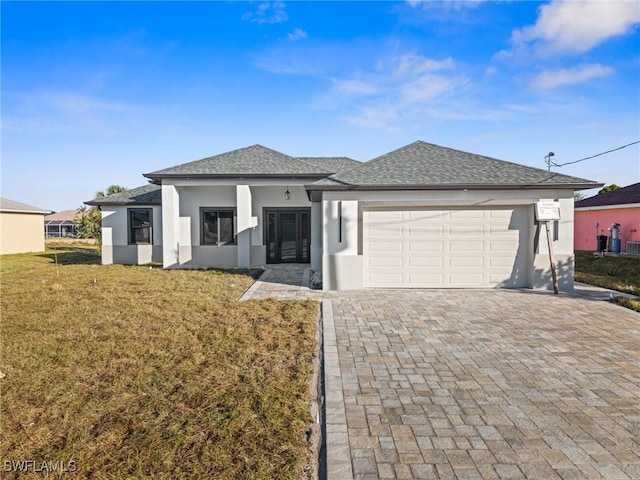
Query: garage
x=447, y=247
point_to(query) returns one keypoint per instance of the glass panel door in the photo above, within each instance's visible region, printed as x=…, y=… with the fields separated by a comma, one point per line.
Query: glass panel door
x=288, y=237
x=272, y=254
x=305, y=232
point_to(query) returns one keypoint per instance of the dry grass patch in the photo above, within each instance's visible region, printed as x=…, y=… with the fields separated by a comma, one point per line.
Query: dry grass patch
x=620, y=273
x=632, y=303
x=144, y=373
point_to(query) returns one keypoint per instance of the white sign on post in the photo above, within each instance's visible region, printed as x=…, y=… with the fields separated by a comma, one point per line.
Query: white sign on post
x=547, y=211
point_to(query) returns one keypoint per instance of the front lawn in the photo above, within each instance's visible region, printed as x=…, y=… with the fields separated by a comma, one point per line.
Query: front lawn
x=138, y=372
x=620, y=272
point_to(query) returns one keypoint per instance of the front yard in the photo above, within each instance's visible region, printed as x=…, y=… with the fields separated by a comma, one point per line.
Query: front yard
x=137, y=372
x=620, y=272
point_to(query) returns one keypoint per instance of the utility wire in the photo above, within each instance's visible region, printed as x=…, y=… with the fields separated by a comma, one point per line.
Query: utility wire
x=594, y=156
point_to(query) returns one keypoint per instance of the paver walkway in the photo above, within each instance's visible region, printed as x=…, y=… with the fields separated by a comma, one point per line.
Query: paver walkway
x=471, y=384
x=284, y=281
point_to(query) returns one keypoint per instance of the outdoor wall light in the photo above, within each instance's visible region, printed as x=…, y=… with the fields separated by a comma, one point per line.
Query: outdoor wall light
x=287, y=194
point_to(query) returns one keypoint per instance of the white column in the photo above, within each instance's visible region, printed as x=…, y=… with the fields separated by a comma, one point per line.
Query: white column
x=243, y=214
x=316, y=236
x=107, y=236
x=170, y=226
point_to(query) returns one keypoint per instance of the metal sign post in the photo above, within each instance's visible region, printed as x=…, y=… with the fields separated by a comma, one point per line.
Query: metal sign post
x=546, y=212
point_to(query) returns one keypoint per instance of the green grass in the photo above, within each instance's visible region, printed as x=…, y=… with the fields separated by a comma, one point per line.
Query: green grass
x=134, y=372
x=621, y=273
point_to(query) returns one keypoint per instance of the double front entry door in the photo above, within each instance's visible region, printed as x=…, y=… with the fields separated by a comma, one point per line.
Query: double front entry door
x=288, y=233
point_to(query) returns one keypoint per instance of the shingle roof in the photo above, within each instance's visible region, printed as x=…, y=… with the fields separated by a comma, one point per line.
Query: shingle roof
x=422, y=164
x=11, y=206
x=332, y=164
x=145, y=195
x=623, y=196
x=63, y=216
x=249, y=161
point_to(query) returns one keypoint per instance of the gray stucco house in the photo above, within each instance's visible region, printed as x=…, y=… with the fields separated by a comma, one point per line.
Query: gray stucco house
x=421, y=216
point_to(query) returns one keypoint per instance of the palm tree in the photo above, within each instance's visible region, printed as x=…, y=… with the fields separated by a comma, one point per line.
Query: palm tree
x=111, y=189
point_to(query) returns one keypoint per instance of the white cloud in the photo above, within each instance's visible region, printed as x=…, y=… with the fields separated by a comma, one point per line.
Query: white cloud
x=354, y=87
x=375, y=116
x=67, y=111
x=297, y=34
x=569, y=76
x=409, y=77
x=77, y=103
x=448, y=4
x=490, y=71
x=426, y=87
x=412, y=64
x=577, y=26
x=399, y=88
x=268, y=12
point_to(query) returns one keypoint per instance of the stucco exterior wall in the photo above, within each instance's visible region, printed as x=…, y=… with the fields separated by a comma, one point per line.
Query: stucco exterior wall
x=586, y=231
x=342, y=229
x=115, y=241
x=21, y=232
x=248, y=199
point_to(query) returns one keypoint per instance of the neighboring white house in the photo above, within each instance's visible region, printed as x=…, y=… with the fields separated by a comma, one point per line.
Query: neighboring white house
x=21, y=227
x=422, y=216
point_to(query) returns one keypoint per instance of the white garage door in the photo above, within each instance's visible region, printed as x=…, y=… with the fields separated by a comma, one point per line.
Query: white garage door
x=446, y=248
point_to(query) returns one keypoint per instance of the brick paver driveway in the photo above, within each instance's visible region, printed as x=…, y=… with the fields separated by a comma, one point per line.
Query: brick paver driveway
x=467, y=384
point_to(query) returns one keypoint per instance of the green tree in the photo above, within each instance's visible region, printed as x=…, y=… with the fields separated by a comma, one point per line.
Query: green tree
x=90, y=219
x=578, y=196
x=111, y=190
x=89, y=222
x=609, y=188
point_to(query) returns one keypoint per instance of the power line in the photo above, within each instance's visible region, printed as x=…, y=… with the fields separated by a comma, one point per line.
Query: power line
x=592, y=156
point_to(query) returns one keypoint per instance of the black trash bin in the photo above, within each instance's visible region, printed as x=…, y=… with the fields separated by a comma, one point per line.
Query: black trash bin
x=602, y=243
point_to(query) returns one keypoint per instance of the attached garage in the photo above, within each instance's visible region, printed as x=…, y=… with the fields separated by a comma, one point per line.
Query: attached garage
x=447, y=247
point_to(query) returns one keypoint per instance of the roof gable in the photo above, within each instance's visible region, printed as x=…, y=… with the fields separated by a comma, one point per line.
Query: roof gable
x=623, y=196
x=422, y=164
x=253, y=161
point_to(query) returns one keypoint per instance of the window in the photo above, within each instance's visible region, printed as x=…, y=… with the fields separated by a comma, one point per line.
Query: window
x=217, y=227
x=140, y=226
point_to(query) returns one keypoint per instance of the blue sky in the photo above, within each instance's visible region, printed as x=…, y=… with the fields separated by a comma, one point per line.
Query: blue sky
x=95, y=94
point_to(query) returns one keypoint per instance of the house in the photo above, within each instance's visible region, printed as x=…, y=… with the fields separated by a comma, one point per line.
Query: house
x=61, y=224
x=595, y=215
x=21, y=227
x=422, y=216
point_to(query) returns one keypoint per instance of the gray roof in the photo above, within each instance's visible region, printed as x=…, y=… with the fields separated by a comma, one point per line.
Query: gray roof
x=11, y=206
x=424, y=165
x=254, y=161
x=332, y=164
x=145, y=195
x=623, y=196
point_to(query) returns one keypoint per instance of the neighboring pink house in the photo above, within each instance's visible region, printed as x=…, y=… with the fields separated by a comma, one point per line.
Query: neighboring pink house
x=594, y=216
